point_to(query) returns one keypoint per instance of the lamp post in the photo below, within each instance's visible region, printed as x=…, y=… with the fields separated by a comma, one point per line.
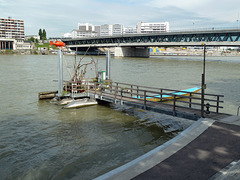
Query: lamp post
x=203, y=80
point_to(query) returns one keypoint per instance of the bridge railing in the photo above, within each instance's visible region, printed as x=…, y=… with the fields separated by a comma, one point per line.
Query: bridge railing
x=152, y=96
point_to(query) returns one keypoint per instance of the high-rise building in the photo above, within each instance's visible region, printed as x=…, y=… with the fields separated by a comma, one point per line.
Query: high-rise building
x=157, y=27
x=11, y=28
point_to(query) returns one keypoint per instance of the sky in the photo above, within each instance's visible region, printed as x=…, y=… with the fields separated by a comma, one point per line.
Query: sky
x=58, y=17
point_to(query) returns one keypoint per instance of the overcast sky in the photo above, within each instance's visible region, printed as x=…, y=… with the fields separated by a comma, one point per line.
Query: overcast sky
x=58, y=17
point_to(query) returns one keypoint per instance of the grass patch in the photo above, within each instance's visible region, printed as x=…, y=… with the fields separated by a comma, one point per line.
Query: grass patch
x=45, y=45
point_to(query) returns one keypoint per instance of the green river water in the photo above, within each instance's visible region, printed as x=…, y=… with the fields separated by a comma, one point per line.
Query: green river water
x=40, y=140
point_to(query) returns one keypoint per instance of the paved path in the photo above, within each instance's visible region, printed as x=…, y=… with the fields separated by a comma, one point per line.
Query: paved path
x=207, y=149
x=208, y=154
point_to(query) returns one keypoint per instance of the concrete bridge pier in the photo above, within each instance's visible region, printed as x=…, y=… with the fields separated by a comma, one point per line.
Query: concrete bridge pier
x=132, y=52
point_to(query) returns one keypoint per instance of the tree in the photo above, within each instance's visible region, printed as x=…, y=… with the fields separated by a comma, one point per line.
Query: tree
x=44, y=34
x=32, y=39
x=40, y=34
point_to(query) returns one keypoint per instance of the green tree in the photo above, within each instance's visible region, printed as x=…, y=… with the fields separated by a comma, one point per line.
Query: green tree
x=40, y=33
x=44, y=34
x=32, y=39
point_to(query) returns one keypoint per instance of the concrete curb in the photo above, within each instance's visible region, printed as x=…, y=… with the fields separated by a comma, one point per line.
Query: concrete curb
x=157, y=155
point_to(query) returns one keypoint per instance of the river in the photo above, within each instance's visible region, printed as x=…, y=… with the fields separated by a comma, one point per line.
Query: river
x=40, y=140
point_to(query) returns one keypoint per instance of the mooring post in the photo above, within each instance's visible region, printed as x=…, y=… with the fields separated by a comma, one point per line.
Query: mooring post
x=108, y=57
x=60, y=73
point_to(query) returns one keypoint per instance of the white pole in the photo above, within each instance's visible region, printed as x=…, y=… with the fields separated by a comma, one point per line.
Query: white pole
x=60, y=73
x=108, y=64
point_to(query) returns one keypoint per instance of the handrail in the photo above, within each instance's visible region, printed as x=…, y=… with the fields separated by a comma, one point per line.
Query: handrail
x=163, y=89
x=133, y=91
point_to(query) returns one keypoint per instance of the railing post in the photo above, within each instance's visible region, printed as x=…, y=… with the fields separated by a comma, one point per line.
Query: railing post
x=174, y=105
x=137, y=91
x=217, y=104
x=202, y=96
x=161, y=95
x=110, y=86
x=116, y=91
x=190, y=100
x=131, y=90
x=145, y=100
x=121, y=96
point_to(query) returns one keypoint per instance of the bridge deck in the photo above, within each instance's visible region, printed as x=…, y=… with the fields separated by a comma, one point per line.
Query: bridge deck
x=227, y=37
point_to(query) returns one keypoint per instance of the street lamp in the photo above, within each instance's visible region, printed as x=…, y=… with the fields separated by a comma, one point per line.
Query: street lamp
x=203, y=80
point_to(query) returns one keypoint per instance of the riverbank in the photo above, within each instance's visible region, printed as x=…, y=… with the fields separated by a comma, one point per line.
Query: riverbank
x=191, y=51
x=44, y=49
x=207, y=149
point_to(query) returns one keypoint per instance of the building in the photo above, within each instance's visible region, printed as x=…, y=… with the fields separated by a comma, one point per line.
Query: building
x=11, y=28
x=85, y=30
x=111, y=29
x=117, y=29
x=155, y=27
x=7, y=44
x=129, y=30
x=32, y=36
x=67, y=35
x=105, y=30
x=24, y=46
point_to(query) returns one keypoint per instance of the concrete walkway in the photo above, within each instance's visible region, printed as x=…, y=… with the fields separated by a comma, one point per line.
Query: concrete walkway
x=207, y=149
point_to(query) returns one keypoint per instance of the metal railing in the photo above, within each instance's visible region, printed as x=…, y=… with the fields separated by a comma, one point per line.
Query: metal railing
x=151, y=96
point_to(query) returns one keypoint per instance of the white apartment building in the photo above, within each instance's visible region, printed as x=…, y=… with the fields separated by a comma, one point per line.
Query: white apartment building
x=86, y=30
x=111, y=29
x=11, y=28
x=129, y=30
x=154, y=27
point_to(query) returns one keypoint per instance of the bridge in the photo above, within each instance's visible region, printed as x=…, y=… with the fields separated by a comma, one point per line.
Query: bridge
x=137, y=44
